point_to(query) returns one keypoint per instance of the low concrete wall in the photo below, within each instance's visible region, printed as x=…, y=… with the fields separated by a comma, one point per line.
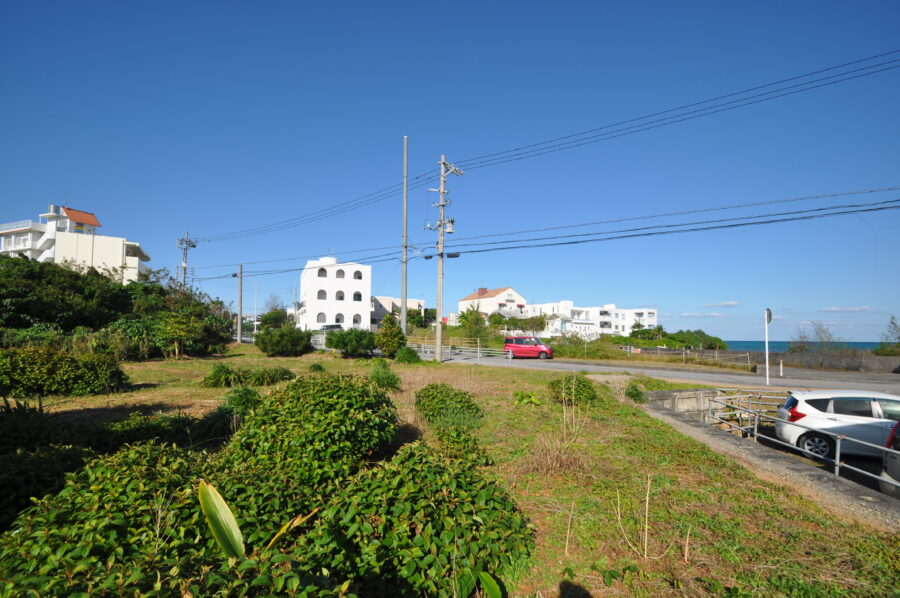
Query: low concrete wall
x=855, y=361
x=693, y=403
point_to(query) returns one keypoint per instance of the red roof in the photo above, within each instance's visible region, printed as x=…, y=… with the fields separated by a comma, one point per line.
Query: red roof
x=81, y=217
x=484, y=294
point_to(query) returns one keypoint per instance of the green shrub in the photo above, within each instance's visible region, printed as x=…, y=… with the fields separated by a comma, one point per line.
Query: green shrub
x=575, y=388
x=457, y=443
x=242, y=400
x=407, y=355
x=443, y=406
x=390, y=337
x=316, y=367
x=223, y=375
x=416, y=526
x=129, y=523
x=41, y=371
x=634, y=392
x=285, y=342
x=159, y=426
x=268, y=376
x=351, y=343
x=382, y=376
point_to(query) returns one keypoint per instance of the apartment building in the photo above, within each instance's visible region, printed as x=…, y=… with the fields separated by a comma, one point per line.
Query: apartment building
x=563, y=317
x=334, y=293
x=382, y=306
x=505, y=301
x=66, y=236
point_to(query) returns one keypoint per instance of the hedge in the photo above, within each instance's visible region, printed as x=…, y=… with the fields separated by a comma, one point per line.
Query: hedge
x=27, y=372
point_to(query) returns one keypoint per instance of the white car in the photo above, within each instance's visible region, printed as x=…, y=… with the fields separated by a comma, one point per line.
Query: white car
x=890, y=471
x=861, y=414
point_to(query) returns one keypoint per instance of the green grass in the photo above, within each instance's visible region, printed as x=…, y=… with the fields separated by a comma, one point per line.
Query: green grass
x=748, y=537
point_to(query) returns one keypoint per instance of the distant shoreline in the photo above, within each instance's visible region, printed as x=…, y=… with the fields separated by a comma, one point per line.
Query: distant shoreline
x=783, y=346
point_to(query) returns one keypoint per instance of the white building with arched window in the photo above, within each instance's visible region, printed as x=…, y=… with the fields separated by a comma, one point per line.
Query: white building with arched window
x=334, y=293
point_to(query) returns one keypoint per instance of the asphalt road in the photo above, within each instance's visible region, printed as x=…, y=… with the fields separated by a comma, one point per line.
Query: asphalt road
x=794, y=378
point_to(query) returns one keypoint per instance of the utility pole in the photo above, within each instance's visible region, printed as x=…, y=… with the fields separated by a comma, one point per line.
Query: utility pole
x=403, y=255
x=185, y=244
x=443, y=225
x=240, y=322
x=255, y=312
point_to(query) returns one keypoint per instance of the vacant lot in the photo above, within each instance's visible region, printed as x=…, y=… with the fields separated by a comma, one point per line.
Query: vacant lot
x=622, y=504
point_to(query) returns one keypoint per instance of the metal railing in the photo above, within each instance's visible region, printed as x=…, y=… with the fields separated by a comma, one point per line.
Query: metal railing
x=16, y=224
x=698, y=355
x=467, y=347
x=734, y=415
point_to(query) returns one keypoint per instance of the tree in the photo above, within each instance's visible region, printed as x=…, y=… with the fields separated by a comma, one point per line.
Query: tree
x=799, y=342
x=825, y=337
x=286, y=341
x=415, y=319
x=274, y=319
x=471, y=322
x=890, y=340
x=274, y=303
x=496, y=320
x=390, y=336
x=351, y=343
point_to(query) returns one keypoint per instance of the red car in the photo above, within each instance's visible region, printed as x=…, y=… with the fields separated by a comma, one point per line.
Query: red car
x=527, y=346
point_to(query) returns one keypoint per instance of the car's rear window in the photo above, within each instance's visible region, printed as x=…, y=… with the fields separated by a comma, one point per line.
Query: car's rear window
x=820, y=404
x=890, y=409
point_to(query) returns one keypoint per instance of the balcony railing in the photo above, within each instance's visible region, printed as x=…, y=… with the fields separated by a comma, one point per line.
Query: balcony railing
x=16, y=225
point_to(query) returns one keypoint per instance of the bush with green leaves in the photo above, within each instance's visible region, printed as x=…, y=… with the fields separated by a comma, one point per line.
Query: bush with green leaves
x=351, y=343
x=458, y=443
x=41, y=371
x=407, y=355
x=444, y=406
x=635, y=393
x=129, y=523
x=572, y=388
x=242, y=400
x=224, y=376
x=286, y=341
x=316, y=368
x=382, y=376
x=419, y=525
x=268, y=376
x=390, y=337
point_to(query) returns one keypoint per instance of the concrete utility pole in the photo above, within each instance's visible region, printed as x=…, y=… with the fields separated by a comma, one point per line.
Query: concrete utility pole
x=185, y=244
x=403, y=255
x=443, y=225
x=240, y=322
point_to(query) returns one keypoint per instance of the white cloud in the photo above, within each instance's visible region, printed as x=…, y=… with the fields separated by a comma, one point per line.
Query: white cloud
x=845, y=309
x=690, y=314
x=723, y=304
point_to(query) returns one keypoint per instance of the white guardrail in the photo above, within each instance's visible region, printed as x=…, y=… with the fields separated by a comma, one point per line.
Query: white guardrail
x=752, y=418
x=476, y=351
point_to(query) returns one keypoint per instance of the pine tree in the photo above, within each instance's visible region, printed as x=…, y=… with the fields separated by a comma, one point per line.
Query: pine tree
x=390, y=337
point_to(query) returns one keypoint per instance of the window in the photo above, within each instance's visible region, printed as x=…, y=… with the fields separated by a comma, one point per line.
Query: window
x=860, y=407
x=357, y=296
x=890, y=409
x=357, y=320
x=339, y=296
x=339, y=319
x=320, y=318
x=322, y=295
x=357, y=275
x=339, y=274
x=820, y=404
x=322, y=273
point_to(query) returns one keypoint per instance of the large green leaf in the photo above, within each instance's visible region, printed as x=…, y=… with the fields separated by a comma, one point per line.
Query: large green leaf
x=221, y=521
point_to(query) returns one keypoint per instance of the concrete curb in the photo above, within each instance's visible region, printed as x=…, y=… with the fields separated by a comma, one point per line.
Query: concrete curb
x=839, y=496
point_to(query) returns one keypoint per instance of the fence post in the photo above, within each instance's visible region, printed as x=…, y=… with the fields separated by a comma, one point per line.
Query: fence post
x=478, y=354
x=837, y=455
x=781, y=368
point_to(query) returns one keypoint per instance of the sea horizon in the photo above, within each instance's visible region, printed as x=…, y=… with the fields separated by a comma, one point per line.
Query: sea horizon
x=782, y=346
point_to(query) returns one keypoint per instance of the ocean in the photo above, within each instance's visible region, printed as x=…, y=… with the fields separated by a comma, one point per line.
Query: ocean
x=782, y=346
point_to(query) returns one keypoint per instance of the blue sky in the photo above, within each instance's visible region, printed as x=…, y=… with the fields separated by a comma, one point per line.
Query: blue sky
x=215, y=117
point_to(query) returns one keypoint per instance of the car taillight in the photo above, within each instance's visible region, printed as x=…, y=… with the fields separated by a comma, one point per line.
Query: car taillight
x=794, y=415
x=894, y=438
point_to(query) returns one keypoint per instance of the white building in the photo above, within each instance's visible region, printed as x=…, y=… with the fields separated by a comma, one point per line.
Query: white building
x=334, y=293
x=564, y=317
x=67, y=236
x=504, y=301
x=382, y=306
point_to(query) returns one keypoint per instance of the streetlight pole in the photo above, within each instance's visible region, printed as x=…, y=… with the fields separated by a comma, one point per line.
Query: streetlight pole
x=768, y=319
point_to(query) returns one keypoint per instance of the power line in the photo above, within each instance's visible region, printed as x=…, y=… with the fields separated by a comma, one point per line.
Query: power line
x=579, y=139
x=688, y=230
x=471, y=161
x=683, y=212
x=679, y=224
